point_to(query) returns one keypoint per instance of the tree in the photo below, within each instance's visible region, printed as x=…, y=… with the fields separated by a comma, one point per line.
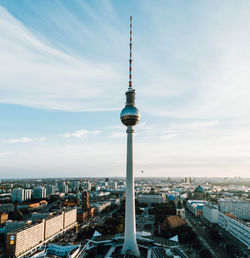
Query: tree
x=205, y=253
x=119, y=228
x=197, y=244
x=214, y=235
x=184, y=237
x=16, y=215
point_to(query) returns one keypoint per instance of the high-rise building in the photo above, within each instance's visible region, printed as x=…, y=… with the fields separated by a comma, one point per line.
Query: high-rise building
x=39, y=192
x=130, y=116
x=75, y=186
x=17, y=195
x=27, y=194
x=88, y=186
x=63, y=188
x=50, y=189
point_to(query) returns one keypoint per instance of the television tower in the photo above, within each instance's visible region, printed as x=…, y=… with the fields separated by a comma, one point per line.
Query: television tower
x=130, y=116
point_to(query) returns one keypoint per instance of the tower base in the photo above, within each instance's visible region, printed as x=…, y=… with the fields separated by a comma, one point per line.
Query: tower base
x=131, y=247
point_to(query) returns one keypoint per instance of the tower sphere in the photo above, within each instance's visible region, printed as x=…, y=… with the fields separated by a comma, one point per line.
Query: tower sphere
x=130, y=115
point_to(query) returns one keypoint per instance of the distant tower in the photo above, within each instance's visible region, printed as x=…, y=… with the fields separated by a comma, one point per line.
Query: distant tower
x=85, y=201
x=130, y=116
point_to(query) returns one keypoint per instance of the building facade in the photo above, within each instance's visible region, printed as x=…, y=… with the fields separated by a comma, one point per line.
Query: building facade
x=23, y=239
x=241, y=209
x=196, y=207
x=210, y=212
x=236, y=227
x=154, y=198
x=27, y=194
x=63, y=188
x=17, y=195
x=6, y=207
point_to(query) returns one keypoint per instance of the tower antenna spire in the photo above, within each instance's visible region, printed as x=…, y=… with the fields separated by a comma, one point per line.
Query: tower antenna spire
x=130, y=55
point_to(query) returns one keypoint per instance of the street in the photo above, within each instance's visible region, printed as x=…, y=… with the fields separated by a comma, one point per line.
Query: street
x=203, y=235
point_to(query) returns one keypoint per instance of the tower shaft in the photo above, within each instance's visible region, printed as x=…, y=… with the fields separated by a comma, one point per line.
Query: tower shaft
x=130, y=243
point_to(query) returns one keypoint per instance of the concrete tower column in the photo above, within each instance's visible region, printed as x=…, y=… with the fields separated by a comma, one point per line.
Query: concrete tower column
x=130, y=222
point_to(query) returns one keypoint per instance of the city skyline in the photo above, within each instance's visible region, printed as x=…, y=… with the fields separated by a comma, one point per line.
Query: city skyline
x=64, y=68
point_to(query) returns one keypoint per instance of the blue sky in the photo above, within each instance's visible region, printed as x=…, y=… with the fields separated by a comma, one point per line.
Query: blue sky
x=64, y=72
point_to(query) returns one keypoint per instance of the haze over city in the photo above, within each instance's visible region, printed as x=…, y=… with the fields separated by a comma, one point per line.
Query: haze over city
x=64, y=71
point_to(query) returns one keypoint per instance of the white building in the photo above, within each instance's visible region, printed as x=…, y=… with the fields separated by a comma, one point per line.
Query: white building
x=17, y=195
x=210, y=212
x=100, y=206
x=180, y=212
x=241, y=209
x=27, y=194
x=236, y=227
x=39, y=192
x=157, y=198
x=115, y=184
x=196, y=207
x=88, y=186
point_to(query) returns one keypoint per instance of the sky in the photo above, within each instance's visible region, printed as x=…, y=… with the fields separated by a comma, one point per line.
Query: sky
x=64, y=73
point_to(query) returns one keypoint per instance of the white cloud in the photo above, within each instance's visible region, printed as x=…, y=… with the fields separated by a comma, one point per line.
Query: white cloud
x=193, y=126
x=118, y=135
x=24, y=140
x=5, y=153
x=80, y=133
x=37, y=75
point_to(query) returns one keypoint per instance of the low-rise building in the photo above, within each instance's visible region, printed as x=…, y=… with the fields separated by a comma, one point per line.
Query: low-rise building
x=237, y=228
x=173, y=223
x=100, y=206
x=196, y=207
x=115, y=201
x=7, y=208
